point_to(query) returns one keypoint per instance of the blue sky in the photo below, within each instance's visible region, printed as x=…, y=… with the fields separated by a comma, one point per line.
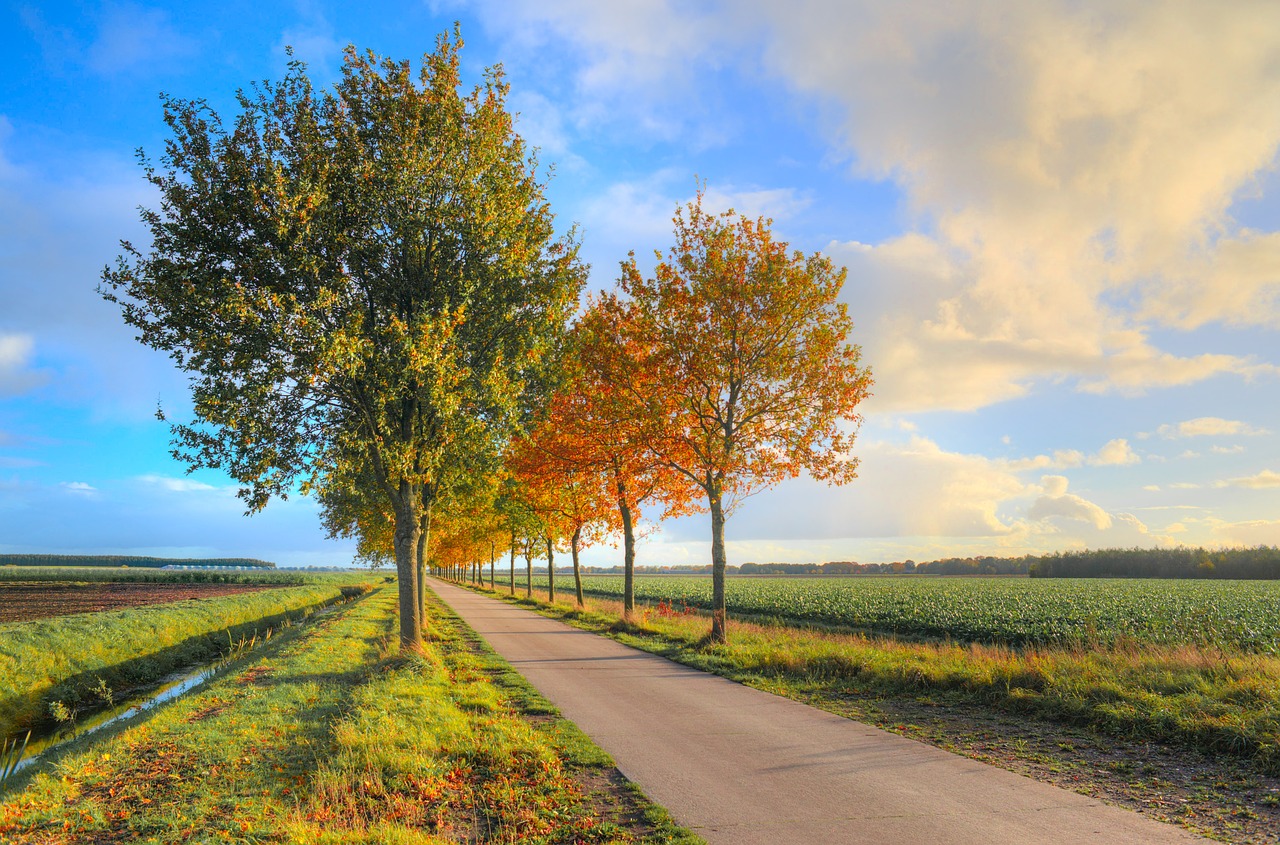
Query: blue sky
x=1061, y=222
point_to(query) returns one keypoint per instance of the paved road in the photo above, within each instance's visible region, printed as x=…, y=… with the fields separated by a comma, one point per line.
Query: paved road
x=741, y=766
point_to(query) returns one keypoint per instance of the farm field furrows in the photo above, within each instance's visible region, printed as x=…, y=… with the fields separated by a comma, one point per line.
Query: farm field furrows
x=1241, y=615
x=22, y=602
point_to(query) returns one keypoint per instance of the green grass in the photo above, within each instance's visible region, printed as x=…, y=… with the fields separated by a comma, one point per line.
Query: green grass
x=1202, y=697
x=326, y=736
x=1238, y=615
x=63, y=659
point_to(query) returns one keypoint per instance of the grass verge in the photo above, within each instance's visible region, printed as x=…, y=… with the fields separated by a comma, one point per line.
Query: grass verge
x=329, y=737
x=73, y=660
x=1138, y=725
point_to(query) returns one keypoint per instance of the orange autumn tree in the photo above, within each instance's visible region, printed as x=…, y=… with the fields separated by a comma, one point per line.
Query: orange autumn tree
x=738, y=365
x=570, y=495
x=594, y=435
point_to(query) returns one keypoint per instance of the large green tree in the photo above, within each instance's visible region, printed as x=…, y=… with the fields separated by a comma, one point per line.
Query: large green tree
x=365, y=275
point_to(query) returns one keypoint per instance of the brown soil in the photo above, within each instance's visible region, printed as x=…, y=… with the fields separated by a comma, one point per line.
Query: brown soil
x=23, y=602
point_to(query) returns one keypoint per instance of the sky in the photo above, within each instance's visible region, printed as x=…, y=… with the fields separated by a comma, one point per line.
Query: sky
x=1061, y=223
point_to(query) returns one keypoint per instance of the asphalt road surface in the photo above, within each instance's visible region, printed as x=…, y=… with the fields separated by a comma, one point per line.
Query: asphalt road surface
x=741, y=766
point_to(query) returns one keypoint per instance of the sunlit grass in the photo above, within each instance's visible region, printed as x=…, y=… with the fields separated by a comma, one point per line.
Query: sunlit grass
x=63, y=659
x=1198, y=696
x=329, y=736
x=1240, y=615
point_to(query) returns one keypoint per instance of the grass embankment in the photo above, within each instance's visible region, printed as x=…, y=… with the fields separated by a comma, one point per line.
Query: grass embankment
x=64, y=659
x=328, y=737
x=1196, y=697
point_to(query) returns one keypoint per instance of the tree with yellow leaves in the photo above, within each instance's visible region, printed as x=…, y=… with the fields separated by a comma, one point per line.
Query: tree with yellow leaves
x=361, y=283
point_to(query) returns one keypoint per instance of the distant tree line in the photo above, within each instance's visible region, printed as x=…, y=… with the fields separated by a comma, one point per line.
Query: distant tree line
x=949, y=566
x=1259, y=562
x=128, y=560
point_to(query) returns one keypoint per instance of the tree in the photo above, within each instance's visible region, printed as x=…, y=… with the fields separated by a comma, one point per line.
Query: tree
x=592, y=436
x=738, y=365
x=363, y=276
x=351, y=508
x=552, y=468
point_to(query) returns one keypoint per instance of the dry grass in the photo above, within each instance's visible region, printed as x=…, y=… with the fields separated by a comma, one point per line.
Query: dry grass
x=1202, y=697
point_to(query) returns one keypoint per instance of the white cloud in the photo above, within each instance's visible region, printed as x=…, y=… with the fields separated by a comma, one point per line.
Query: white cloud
x=632, y=64
x=777, y=204
x=132, y=38
x=1061, y=459
x=1060, y=519
x=541, y=123
x=1209, y=427
x=175, y=485
x=16, y=353
x=641, y=210
x=1071, y=167
x=1115, y=453
x=1263, y=480
x=1257, y=532
x=1057, y=502
x=314, y=43
x=1066, y=155
x=913, y=489
x=79, y=488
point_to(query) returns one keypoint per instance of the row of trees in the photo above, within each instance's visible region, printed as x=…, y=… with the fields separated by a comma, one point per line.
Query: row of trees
x=367, y=289
x=1259, y=562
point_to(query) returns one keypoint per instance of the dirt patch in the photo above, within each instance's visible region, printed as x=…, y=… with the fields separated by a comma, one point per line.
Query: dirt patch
x=257, y=676
x=23, y=602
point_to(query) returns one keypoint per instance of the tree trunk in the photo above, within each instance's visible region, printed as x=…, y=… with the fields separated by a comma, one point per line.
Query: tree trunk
x=424, y=537
x=577, y=570
x=407, y=530
x=513, y=561
x=528, y=567
x=719, y=631
x=628, y=560
x=551, y=571
x=493, y=561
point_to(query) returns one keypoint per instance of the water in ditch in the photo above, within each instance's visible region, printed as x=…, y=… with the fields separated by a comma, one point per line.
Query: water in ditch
x=174, y=685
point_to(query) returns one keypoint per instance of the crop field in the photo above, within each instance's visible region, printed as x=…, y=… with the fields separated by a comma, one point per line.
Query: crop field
x=123, y=574
x=1239, y=615
x=1187, y=731
x=23, y=602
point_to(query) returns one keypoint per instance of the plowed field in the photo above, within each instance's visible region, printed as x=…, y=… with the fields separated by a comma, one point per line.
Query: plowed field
x=24, y=602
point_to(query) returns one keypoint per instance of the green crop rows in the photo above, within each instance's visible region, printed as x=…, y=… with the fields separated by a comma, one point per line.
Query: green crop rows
x=1231, y=614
